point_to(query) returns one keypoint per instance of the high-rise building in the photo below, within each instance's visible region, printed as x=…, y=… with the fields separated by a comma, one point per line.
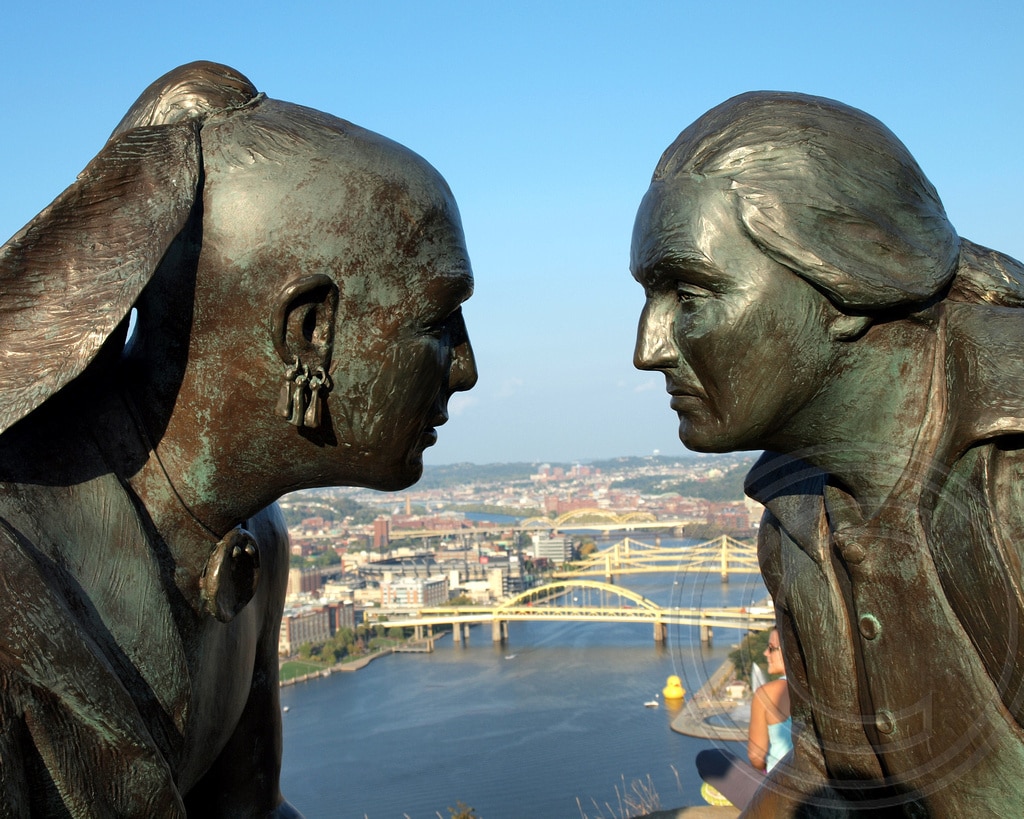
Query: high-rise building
x=381, y=533
x=557, y=549
x=303, y=581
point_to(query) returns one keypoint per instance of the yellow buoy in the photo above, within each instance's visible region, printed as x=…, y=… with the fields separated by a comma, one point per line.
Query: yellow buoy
x=673, y=689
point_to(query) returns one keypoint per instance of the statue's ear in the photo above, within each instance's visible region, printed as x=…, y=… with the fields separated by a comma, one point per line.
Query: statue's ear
x=303, y=322
x=69, y=277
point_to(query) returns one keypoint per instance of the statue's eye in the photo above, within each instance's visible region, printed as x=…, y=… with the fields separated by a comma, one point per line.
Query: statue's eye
x=439, y=326
x=689, y=294
x=434, y=330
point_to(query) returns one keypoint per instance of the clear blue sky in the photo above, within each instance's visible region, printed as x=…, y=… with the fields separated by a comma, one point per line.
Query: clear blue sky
x=547, y=119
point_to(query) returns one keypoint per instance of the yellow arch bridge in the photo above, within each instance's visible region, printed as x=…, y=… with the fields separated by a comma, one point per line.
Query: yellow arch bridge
x=587, y=601
x=591, y=518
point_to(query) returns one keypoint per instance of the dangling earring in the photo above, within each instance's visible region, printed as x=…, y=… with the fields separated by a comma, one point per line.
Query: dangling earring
x=320, y=381
x=299, y=396
x=284, y=400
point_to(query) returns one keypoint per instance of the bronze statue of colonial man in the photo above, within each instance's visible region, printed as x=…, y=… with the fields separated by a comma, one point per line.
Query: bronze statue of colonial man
x=806, y=295
x=237, y=298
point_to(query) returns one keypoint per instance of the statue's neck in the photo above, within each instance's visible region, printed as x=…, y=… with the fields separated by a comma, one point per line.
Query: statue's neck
x=129, y=451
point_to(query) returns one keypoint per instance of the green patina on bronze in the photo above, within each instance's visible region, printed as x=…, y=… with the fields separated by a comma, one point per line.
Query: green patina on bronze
x=807, y=296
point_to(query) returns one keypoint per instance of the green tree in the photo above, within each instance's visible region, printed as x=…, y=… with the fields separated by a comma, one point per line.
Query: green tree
x=328, y=558
x=340, y=645
x=587, y=547
x=750, y=651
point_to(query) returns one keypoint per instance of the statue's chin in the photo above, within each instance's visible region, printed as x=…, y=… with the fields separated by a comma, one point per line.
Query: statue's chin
x=691, y=439
x=401, y=477
x=696, y=442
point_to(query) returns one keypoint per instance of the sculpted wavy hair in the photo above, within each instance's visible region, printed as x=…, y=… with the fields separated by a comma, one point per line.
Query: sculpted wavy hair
x=80, y=265
x=832, y=194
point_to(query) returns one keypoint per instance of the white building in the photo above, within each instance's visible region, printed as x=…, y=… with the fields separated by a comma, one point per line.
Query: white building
x=414, y=592
x=556, y=549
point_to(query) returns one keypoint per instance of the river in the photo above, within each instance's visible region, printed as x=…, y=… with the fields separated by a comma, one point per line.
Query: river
x=524, y=730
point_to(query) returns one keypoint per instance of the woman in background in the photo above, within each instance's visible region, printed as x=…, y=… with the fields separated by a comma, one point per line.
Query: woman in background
x=771, y=728
x=769, y=738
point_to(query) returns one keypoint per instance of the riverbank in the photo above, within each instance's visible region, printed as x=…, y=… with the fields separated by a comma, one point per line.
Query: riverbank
x=351, y=665
x=706, y=715
x=412, y=646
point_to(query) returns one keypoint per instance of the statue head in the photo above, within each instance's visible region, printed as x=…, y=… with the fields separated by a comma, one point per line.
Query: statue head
x=777, y=229
x=825, y=190
x=297, y=281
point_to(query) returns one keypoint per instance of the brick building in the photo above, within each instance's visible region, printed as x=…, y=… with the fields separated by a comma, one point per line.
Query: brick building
x=308, y=625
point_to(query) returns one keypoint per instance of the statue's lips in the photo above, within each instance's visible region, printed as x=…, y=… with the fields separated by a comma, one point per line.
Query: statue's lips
x=684, y=401
x=429, y=435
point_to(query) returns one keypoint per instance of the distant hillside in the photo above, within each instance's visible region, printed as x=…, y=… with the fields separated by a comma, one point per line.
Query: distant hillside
x=722, y=488
x=301, y=505
x=440, y=476
x=683, y=459
x=652, y=474
x=436, y=477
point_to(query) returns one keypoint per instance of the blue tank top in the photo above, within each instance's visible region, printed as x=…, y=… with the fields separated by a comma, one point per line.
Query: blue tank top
x=780, y=741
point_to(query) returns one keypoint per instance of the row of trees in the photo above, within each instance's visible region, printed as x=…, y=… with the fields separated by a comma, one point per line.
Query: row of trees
x=350, y=642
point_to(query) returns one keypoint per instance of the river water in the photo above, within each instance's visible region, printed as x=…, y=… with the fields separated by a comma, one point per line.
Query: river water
x=550, y=726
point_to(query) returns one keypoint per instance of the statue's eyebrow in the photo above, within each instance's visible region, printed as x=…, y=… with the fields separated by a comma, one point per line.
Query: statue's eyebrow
x=462, y=283
x=685, y=259
x=466, y=286
x=453, y=286
x=675, y=265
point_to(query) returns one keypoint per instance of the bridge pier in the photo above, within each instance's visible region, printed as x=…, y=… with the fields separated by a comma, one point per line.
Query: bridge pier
x=499, y=631
x=660, y=633
x=706, y=635
x=457, y=635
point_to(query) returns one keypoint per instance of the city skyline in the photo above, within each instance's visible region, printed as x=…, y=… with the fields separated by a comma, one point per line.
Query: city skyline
x=547, y=121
